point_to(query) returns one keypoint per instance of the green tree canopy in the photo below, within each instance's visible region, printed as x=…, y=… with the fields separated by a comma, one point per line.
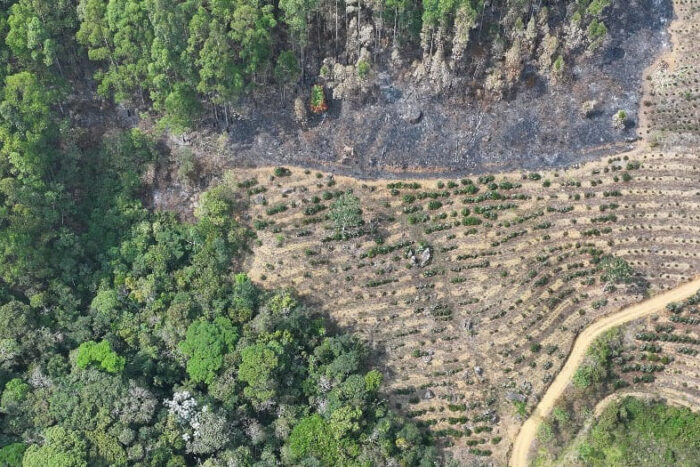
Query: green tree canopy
x=11, y=454
x=205, y=346
x=26, y=125
x=101, y=355
x=182, y=108
x=61, y=448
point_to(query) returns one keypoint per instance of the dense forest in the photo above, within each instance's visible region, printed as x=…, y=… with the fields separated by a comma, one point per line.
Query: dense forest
x=189, y=59
x=127, y=336
x=130, y=337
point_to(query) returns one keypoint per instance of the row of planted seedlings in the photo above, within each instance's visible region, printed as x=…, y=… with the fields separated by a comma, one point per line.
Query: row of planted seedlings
x=573, y=266
x=554, y=299
x=660, y=343
x=675, y=93
x=317, y=213
x=669, y=337
x=469, y=419
x=681, y=327
x=605, y=218
x=488, y=214
x=653, y=224
x=439, y=311
x=674, y=103
x=375, y=251
x=472, y=189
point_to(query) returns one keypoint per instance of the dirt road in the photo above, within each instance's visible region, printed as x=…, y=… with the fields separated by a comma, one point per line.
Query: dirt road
x=669, y=396
x=527, y=433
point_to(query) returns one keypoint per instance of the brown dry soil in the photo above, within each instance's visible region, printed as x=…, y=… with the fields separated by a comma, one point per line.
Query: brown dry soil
x=539, y=125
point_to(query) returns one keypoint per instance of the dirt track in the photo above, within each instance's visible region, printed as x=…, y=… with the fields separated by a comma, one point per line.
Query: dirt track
x=521, y=447
x=670, y=396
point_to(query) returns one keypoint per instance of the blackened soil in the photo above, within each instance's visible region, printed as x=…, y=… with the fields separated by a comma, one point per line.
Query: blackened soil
x=539, y=126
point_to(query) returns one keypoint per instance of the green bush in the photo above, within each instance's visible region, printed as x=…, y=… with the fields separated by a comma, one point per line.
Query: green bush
x=318, y=99
x=346, y=212
x=101, y=355
x=282, y=172
x=640, y=433
x=363, y=69
x=433, y=205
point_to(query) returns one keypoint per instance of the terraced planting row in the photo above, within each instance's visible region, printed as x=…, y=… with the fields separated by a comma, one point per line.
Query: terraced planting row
x=671, y=106
x=472, y=290
x=669, y=344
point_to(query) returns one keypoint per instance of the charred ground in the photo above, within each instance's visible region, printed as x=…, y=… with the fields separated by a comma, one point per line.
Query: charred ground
x=537, y=124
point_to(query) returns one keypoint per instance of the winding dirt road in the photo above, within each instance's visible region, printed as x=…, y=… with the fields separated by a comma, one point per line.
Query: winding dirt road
x=523, y=442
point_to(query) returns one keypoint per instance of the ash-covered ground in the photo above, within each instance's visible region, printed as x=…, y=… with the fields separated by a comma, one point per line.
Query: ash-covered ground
x=539, y=125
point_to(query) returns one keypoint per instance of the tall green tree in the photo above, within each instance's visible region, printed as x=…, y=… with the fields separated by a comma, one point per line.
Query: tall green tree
x=26, y=125
x=205, y=346
x=61, y=448
x=40, y=32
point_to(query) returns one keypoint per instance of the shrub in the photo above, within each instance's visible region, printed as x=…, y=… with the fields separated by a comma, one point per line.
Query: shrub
x=599, y=359
x=346, y=212
x=276, y=209
x=318, y=99
x=471, y=221
x=362, y=69
x=596, y=31
x=544, y=433
x=558, y=66
x=282, y=172
x=186, y=165
x=100, y=354
x=615, y=270
x=620, y=119
x=433, y=205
